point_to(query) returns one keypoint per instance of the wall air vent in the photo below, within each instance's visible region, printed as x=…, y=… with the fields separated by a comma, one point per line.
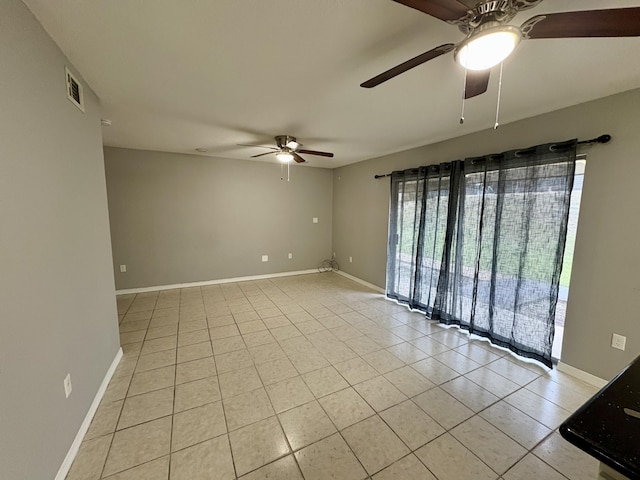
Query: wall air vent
x=74, y=90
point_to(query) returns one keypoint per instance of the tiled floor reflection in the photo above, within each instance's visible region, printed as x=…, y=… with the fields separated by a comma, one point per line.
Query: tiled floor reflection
x=316, y=377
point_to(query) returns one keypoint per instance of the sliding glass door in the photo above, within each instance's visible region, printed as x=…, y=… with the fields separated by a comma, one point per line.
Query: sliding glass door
x=479, y=243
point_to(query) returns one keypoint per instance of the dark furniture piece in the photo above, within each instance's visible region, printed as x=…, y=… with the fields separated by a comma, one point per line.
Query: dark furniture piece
x=608, y=426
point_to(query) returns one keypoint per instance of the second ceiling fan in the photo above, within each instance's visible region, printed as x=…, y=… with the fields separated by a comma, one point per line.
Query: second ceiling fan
x=490, y=40
x=287, y=148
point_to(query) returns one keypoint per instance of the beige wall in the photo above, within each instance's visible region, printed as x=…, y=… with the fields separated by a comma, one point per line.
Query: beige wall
x=58, y=311
x=187, y=218
x=604, y=295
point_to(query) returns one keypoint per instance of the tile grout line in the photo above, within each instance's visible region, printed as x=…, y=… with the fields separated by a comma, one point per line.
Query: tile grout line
x=222, y=403
x=175, y=380
x=113, y=435
x=125, y=397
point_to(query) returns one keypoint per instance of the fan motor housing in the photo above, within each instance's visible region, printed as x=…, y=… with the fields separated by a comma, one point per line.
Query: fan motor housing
x=283, y=140
x=501, y=11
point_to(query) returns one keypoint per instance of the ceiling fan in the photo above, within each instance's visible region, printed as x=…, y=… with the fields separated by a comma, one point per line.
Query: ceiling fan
x=287, y=148
x=490, y=40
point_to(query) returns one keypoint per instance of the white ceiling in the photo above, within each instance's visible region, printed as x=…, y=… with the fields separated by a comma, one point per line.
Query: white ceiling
x=174, y=75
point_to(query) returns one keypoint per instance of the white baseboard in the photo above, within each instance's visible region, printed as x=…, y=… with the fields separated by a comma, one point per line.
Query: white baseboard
x=361, y=282
x=214, y=282
x=582, y=375
x=75, y=446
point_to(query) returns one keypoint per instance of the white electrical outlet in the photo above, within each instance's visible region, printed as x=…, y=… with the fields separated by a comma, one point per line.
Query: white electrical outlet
x=315, y=219
x=334, y=255
x=350, y=259
x=265, y=258
x=67, y=385
x=290, y=256
x=618, y=341
x=123, y=268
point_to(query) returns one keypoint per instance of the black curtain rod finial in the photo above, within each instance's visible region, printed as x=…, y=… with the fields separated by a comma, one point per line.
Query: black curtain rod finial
x=606, y=138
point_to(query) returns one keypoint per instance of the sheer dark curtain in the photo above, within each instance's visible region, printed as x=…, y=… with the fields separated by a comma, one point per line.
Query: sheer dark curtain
x=479, y=243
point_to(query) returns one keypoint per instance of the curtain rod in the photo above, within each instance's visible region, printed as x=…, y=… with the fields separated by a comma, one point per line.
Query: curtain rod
x=606, y=138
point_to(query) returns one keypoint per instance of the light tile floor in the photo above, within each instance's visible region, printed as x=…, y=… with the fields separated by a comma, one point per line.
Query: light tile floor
x=316, y=377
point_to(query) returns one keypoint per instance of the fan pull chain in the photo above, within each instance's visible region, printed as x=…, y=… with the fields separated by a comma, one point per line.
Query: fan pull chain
x=282, y=171
x=497, y=124
x=464, y=94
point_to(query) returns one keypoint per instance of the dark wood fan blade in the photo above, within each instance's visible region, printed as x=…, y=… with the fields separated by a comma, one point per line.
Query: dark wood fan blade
x=257, y=146
x=477, y=83
x=297, y=158
x=618, y=22
x=261, y=155
x=446, y=10
x=315, y=152
x=408, y=65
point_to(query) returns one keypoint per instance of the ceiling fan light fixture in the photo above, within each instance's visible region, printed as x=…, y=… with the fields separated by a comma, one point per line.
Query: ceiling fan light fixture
x=488, y=47
x=293, y=145
x=284, y=157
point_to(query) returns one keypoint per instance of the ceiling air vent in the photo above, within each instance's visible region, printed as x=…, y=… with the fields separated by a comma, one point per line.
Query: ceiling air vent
x=74, y=90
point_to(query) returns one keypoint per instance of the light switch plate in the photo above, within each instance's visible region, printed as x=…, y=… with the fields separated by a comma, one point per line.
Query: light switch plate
x=265, y=258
